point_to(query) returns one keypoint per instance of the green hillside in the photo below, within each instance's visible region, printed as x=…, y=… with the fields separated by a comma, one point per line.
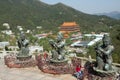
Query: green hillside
x=32, y=13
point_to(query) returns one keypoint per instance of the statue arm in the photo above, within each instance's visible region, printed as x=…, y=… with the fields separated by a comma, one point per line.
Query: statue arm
x=61, y=44
x=111, y=48
x=19, y=44
x=53, y=44
x=98, y=49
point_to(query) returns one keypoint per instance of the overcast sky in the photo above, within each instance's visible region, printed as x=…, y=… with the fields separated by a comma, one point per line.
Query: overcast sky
x=90, y=6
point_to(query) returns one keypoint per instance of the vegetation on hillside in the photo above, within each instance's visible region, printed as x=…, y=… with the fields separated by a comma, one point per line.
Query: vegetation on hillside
x=32, y=13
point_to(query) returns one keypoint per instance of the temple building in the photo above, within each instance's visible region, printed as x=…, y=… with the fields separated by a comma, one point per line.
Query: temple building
x=68, y=27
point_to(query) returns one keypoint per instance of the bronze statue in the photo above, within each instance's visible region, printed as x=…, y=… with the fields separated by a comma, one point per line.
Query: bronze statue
x=23, y=45
x=58, y=51
x=104, y=54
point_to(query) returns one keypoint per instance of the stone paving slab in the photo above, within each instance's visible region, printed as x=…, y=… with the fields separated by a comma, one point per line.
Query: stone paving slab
x=32, y=73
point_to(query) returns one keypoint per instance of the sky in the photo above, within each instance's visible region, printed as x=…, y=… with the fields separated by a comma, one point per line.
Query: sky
x=90, y=6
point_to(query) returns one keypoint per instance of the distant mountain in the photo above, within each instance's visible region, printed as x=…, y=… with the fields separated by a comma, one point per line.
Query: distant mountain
x=114, y=14
x=32, y=13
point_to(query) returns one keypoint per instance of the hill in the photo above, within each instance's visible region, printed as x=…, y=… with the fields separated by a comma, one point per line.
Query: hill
x=32, y=13
x=114, y=14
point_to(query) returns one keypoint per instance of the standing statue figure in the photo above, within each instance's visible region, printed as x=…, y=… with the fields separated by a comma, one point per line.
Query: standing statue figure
x=104, y=54
x=23, y=45
x=58, y=52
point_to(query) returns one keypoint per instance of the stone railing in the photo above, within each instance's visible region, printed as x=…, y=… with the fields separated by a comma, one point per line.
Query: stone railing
x=4, y=53
x=8, y=51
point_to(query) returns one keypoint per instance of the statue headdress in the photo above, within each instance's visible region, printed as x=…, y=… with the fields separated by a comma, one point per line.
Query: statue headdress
x=106, y=38
x=59, y=36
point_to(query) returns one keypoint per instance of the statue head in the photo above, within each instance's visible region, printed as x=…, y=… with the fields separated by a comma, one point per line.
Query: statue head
x=106, y=40
x=51, y=42
x=59, y=37
x=22, y=35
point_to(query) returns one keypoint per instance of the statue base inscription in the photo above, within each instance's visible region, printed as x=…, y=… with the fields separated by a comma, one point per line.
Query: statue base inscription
x=24, y=58
x=56, y=62
x=13, y=62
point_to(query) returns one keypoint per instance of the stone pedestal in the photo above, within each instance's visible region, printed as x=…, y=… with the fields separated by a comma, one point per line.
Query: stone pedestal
x=95, y=77
x=93, y=73
x=13, y=62
x=56, y=68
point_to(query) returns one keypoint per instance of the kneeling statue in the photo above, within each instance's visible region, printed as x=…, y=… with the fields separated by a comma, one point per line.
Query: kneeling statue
x=58, y=52
x=104, y=54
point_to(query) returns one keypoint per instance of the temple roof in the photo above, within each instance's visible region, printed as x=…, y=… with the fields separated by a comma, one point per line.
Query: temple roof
x=68, y=24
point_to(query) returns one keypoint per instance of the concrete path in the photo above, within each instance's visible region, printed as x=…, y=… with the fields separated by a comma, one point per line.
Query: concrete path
x=32, y=73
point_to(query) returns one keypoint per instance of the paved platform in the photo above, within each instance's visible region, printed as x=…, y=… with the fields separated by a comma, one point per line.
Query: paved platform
x=32, y=73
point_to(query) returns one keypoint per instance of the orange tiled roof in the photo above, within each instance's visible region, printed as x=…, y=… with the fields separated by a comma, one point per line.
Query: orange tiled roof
x=69, y=24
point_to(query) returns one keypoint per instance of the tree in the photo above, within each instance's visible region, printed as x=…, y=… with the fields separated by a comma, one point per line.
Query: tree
x=68, y=41
x=45, y=43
